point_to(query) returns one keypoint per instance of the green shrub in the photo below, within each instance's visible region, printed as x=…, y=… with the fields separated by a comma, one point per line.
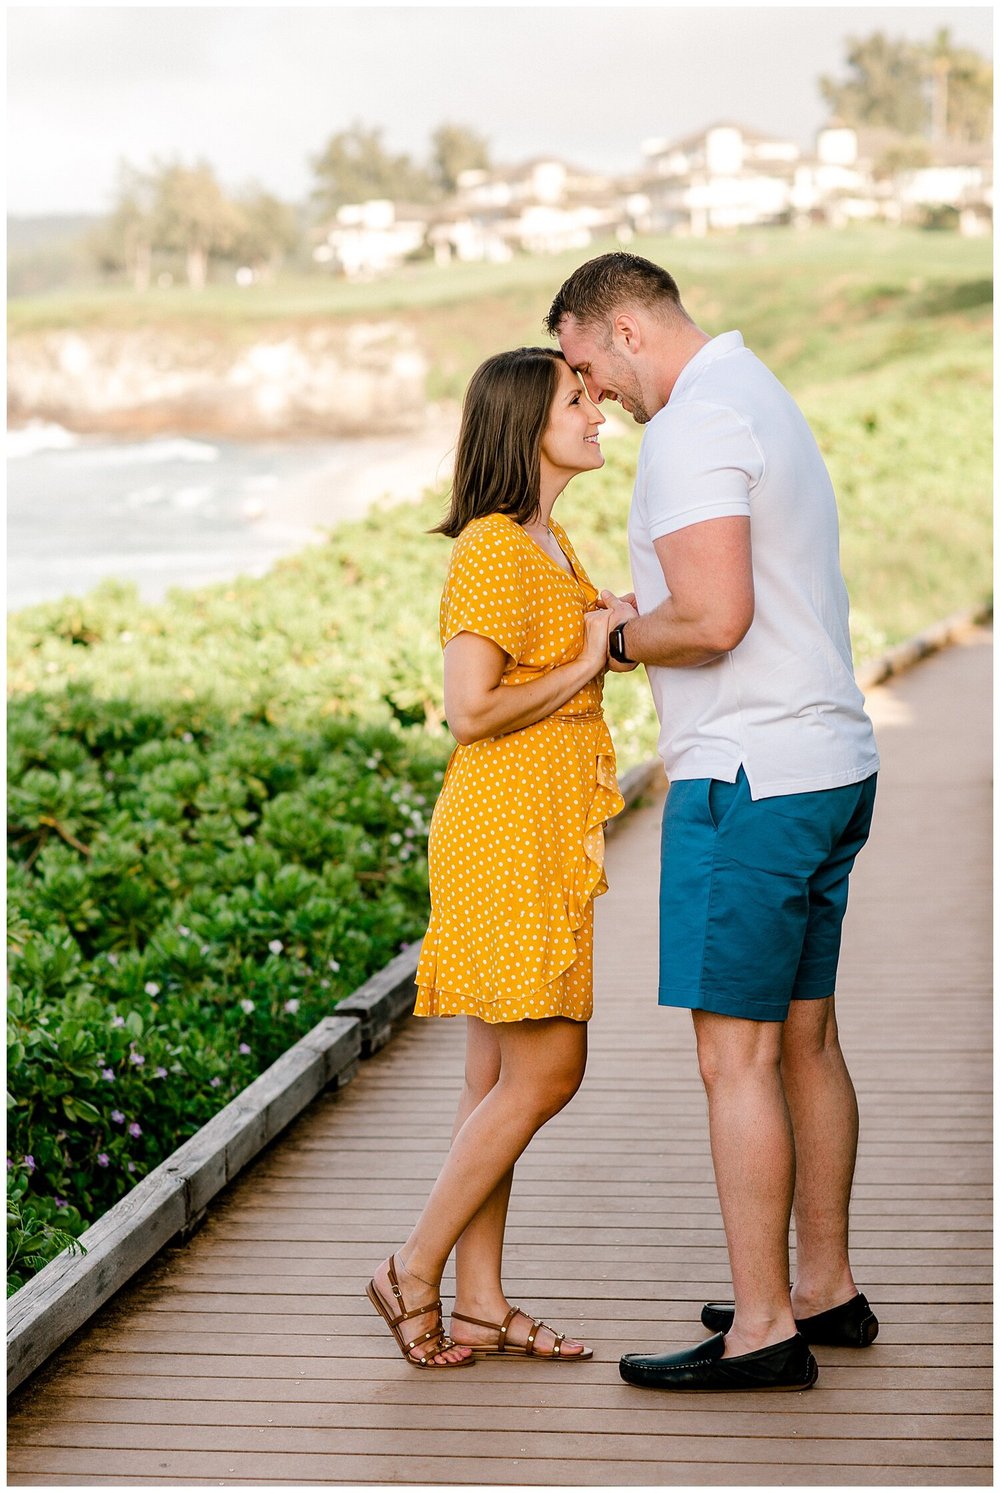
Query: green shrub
x=37, y=1230
x=184, y=906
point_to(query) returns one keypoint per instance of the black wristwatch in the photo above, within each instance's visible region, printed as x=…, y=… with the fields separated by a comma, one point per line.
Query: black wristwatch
x=616, y=644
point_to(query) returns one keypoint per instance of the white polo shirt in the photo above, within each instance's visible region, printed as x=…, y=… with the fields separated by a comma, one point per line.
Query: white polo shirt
x=784, y=703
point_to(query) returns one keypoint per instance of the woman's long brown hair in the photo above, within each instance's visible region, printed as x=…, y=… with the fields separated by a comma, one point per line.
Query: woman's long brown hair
x=497, y=459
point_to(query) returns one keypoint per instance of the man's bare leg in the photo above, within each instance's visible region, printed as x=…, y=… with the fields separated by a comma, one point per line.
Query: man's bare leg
x=824, y=1111
x=754, y=1158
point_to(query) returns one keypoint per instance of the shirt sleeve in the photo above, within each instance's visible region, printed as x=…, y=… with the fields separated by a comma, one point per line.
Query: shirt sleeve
x=702, y=464
x=485, y=590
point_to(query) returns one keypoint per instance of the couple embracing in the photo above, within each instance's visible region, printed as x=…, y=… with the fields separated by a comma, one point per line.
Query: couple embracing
x=740, y=617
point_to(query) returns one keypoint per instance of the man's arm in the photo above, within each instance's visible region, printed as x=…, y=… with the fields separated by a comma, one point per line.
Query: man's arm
x=708, y=570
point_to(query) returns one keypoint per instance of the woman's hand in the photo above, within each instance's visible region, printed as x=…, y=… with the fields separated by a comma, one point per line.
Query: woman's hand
x=595, y=644
x=620, y=609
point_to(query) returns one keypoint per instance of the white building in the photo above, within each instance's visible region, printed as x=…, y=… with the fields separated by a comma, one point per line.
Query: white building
x=723, y=177
x=369, y=238
x=543, y=206
x=728, y=177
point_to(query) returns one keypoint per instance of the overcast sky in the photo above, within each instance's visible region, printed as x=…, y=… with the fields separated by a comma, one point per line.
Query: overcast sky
x=257, y=90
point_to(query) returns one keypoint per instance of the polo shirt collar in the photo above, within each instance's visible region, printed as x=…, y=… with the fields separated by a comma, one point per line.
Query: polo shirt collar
x=719, y=347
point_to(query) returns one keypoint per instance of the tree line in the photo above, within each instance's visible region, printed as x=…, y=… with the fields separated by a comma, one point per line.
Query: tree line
x=924, y=94
x=180, y=210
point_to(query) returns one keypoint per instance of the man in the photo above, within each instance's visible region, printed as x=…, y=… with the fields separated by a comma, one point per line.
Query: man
x=742, y=625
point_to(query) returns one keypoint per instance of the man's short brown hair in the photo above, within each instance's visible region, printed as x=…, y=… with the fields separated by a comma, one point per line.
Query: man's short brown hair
x=602, y=286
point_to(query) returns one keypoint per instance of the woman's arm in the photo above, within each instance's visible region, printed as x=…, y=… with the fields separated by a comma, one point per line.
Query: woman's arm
x=477, y=705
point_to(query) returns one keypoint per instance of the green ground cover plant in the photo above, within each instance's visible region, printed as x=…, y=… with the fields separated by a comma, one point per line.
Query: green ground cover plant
x=184, y=904
x=216, y=799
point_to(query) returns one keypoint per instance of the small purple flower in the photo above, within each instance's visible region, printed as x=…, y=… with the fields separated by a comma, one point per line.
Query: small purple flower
x=103, y=1158
x=108, y=1073
x=215, y=1082
x=61, y=1202
x=29, y=1162
x=160, y=1073
x=276, y=946
x=130, y=1166
x=117, y=1021
x=244, y=1048
x=247, y=1006
x=10, y=1164
x=136, y=1058
x=184, y=932
x=151, y=987
x=135, y=1130
x=291, y=1006
x=117, y=1117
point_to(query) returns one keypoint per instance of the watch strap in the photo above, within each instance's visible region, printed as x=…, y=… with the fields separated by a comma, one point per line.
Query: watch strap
x=617, y=647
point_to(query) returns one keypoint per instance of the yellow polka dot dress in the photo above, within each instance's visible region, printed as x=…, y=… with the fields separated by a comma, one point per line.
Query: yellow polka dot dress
x=517, y=837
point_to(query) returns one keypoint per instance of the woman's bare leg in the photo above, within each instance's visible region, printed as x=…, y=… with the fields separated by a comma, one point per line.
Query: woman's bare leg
x=541, y=1067
x=479, y=1251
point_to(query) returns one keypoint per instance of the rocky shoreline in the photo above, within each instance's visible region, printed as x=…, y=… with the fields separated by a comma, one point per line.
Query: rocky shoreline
x=331, y=379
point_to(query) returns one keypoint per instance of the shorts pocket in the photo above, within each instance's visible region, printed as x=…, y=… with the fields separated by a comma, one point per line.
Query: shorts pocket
x=721, y=798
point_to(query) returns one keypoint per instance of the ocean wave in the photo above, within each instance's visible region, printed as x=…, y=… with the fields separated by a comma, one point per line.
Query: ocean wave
x=156, y=452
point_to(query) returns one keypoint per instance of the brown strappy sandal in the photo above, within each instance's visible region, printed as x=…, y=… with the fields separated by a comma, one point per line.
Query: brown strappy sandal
x=437, y=1335
x=528, y=1350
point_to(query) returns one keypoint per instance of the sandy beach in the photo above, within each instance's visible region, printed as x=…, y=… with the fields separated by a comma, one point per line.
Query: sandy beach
x=373, y=469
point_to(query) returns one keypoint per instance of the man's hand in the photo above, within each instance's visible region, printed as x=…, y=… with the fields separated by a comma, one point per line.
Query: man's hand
x=622, y=609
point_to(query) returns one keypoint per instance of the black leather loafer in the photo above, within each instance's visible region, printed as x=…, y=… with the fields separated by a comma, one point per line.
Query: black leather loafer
x=852, y=1325
x=787, y=1365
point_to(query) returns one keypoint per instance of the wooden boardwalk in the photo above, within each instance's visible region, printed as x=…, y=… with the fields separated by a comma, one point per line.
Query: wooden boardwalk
x=251, y=1357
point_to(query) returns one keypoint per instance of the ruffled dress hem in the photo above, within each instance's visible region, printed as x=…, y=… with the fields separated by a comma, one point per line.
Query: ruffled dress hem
x=549, y=997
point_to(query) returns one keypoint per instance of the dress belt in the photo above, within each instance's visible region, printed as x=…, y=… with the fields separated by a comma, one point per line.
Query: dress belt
x=582, y=715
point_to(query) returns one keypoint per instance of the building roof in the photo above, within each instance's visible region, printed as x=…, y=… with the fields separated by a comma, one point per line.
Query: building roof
x=754, y=137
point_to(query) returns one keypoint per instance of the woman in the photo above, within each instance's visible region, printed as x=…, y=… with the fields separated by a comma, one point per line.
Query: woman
x=516, y=843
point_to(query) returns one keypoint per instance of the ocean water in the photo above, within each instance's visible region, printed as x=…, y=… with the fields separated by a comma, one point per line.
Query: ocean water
x=169, y=510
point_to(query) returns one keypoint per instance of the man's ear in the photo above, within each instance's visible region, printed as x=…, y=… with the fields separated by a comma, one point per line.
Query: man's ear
x=627, y=331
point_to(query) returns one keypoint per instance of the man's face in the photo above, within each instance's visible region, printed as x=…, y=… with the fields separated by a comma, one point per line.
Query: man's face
x=607, y=372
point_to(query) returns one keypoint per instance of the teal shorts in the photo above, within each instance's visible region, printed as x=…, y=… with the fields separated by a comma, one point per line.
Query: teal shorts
x=753, y=894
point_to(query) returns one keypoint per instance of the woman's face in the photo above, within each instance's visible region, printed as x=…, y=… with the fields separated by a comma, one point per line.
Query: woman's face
x=569, y=442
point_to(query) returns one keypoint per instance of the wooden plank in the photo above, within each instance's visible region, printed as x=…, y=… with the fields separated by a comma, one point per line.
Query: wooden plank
x=406, y=1453
x=849, y=1376
x=622, y=1475
x=333, y=1431
x=838, y=1418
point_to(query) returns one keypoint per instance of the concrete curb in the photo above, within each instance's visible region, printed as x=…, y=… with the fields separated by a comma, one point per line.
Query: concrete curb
x=905, y=655
x=173, y=1198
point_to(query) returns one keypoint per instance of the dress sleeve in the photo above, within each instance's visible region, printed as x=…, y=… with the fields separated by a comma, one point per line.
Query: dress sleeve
x=485, y=590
